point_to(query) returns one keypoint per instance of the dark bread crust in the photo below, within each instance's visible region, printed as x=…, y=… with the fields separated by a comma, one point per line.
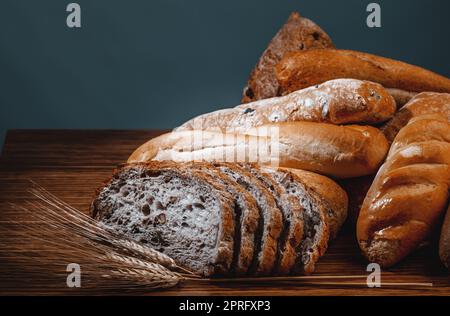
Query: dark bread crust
x=297, y=34
x=270, y=215
x=246, y=214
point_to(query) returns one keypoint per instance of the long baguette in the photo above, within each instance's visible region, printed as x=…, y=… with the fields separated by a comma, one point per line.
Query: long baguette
x=409, y=193
x=337, y=151
x=339, y=101
x=298, y=70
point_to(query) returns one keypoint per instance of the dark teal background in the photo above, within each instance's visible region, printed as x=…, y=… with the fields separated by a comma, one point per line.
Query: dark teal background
x=156, y=63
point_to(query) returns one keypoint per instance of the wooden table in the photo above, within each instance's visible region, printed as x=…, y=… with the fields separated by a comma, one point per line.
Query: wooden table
x=73, y=163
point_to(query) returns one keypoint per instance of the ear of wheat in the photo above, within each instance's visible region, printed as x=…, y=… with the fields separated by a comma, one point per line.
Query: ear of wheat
x=56, y=234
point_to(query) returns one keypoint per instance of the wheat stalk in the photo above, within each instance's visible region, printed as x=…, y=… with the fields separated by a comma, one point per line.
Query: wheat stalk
x=56, y=234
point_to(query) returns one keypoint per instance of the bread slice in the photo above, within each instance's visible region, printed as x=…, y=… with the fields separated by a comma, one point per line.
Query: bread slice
x=246, y=216
x=315, y=228
x=266, y=238
x=182, y=214
x=297, y=34
x=292, y=212
x=333, y=197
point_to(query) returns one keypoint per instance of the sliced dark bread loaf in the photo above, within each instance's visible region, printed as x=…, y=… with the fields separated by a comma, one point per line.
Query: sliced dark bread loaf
x=188, y=216
x=266, y=238
x=292, y=212
x=246, y=216
x=315, y=228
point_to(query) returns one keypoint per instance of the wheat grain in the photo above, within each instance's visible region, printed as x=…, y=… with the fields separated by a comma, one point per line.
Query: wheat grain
x=60, y=234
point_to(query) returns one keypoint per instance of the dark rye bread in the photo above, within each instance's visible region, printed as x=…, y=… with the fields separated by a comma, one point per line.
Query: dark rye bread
x=246, y=215
x=333, y=197
x=266, y=238
x=297, y=34
x=184, y=215
x=315, y=227
x=292, y=212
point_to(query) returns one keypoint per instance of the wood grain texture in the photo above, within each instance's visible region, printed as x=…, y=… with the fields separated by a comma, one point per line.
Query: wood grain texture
x=72, y=164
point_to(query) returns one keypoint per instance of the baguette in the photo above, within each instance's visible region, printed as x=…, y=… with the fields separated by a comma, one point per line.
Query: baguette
x=423, y=103
x=298, y=33
x=339, y=101
x=299, y=70
x=409, y=193
x=444, y=242
x=337, y=151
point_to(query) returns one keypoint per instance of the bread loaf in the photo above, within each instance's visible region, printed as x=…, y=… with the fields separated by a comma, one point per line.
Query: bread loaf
x=409, y=193
x=339, y=101
x=266, y=238
x=298, y=33
x=247, y=218
x=315, y=237
x=337, y=151
x=356, y=189
x=219, y=218
x=188, y=217
x=299, y=70
x=444, y=242
x=421, y=104
x=293, y=219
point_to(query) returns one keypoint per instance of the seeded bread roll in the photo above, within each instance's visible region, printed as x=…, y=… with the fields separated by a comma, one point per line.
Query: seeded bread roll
x=409, y=193
x=340, y=101
x=421, y=104
x=188, y=217
x=297, y=33
x=337, y=151
x=299, y=70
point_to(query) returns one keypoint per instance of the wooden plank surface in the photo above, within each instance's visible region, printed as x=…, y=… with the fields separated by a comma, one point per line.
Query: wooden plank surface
x=73, y=163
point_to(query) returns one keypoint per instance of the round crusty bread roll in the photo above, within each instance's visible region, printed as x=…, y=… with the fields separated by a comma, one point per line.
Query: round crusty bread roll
x=337, y=151
x=409, y=193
